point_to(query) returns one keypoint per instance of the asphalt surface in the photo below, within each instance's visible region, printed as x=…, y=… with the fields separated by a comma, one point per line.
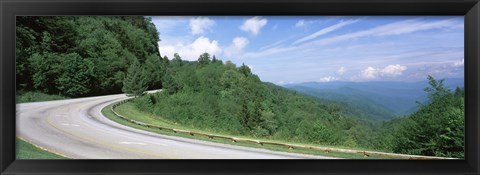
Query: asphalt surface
x=77, y=129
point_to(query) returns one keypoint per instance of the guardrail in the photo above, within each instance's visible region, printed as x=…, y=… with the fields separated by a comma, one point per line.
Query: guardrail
x=289, y=146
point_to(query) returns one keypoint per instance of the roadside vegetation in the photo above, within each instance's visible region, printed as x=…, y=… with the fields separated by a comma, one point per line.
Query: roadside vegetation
x=25, y=150
x=30, y=96
x=222, y=98
x=129, y=109
x=79, y=56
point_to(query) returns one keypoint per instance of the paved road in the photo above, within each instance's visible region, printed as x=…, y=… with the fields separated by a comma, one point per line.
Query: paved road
x=76, y=128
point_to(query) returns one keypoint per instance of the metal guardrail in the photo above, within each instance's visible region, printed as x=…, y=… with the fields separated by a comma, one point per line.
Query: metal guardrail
x=289, y=146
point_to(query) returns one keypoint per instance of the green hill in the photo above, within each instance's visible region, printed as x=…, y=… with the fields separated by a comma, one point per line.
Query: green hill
x=216, y=96
x=78, y=56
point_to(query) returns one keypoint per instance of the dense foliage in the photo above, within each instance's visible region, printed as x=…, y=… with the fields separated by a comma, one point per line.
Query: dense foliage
x=437, y=128
x=216, y=96
x=86, y=56
x=82, y=55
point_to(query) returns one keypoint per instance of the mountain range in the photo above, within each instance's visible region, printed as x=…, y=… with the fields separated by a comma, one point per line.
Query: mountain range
x=377, y=99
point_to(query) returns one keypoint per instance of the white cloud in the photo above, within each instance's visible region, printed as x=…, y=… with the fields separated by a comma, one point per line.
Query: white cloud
x=458, y=63
x=254, y=25
x=300, y=23
x=269, y=51
x=393, y=70
x=236, y=48
x=369, y=73
x=325, y=30
x=328, y=79
x=396, y=28
x=191, y=51
x=388, y=29
x=388, y=71
x=341, y=71
x=168, y=24
x=200, y=25
x=272, y=45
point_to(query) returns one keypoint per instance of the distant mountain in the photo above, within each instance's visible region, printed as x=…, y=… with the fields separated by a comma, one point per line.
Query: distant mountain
x=378, y=99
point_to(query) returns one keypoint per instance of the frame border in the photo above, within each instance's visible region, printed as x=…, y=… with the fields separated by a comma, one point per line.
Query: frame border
x=11, y=8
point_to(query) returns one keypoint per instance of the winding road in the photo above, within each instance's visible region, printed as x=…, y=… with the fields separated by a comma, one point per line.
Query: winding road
x=77, y=129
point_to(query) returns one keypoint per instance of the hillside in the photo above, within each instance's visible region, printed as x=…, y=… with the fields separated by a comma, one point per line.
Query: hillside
x=89, y=56
x=78, y=56
x=215, y=96
x=380, y=100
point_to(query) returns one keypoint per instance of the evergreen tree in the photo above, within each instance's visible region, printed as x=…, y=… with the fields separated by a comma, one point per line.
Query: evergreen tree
x=135, y=83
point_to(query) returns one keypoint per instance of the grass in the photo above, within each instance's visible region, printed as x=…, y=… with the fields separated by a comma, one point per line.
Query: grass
x=25, y=150
x=129, y=110
x=30, y=96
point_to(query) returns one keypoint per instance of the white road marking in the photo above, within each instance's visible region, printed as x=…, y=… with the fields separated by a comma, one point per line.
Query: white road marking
x=67, y=124
x=132, y=143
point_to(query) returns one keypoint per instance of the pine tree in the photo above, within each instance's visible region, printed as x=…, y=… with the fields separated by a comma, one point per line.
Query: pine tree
x=135, y=83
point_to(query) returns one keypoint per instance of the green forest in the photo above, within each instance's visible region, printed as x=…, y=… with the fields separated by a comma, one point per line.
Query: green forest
x=89, y=56
x=83, y=56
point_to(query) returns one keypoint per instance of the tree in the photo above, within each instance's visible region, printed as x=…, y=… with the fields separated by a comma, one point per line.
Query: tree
x=204, y=59
x=77, y=75
x=437, y=128
x=135, y=84
x=155, y=69
x=177, y=60
x=106, y=45
x=245, y=70
x=437, y=88
x=215, y=60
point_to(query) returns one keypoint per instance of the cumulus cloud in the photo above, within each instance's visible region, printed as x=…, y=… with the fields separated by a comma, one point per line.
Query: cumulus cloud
x=458, y=63
x=369, y=73
x=393, y=70
x=192, y=50
x=236, y=48
x=328, y=79
x=300, y=24
x=388, y=71
x=342, y=70
x=254, y=25
x=200, y=25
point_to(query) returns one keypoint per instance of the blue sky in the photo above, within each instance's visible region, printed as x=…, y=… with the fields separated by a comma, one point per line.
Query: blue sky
x=295, y=49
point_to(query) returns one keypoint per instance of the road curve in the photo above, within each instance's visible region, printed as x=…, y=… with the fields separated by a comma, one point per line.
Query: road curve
x=77, y=129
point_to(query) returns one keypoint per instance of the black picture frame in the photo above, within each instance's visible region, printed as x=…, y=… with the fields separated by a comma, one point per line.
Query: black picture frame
x=11, y=8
